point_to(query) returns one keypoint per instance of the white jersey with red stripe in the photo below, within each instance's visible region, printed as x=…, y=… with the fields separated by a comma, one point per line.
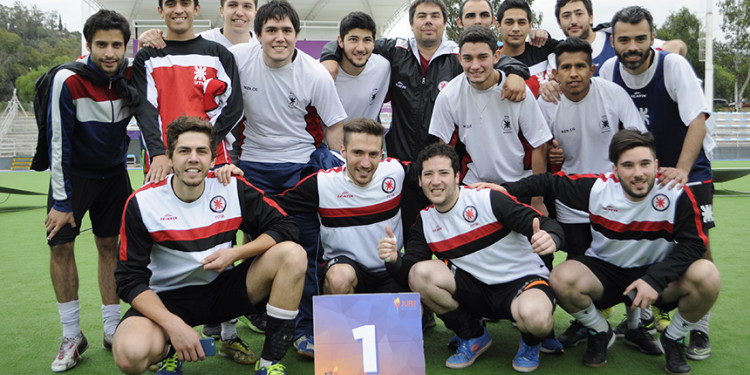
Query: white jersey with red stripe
x=492, y=130
x=352, y=217
x=286, y=109
x=475, y=238
x=363, y=95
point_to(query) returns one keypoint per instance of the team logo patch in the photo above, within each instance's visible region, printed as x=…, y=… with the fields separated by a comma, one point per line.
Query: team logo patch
x=218, y=204
x=373, y=95
x=604, y=124
x=388, y=185
x=292, y=100
x=506, y=124
x=199, y=73
x=442, y=85
x=660, y=202
x=470, y=214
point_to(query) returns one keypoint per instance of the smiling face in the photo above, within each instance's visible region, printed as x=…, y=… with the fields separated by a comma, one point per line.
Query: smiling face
x=439, y=182
x=362, y=153
x=191, y=161
x=574, y=74
x=178, y=15
x=357, y=45
x=107, y=49
x=278, y=39
x=478, y=61
x=636, y=170
x=514, y=27
x=428, y=24
x=632, y=44
x=575, y=20
x=238, y=15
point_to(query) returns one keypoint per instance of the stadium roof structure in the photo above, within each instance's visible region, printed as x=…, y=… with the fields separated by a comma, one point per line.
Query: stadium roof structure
x=385, y=12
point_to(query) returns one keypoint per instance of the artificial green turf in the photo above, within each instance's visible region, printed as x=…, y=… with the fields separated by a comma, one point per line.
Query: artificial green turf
x=30, y=323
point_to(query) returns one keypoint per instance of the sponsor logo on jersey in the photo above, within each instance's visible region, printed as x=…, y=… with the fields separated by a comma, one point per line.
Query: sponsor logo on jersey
x=442, y=85
x=388, y=185
x=466, y=126
x=660, y=202
x=168, y=217
x=401, y=85
x=292, y=100
x=438, y=228
x=345, y=194
x=470, y=214
x=218, y=204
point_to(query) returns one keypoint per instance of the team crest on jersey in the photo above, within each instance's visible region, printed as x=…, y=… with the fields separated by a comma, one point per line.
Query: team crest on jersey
x=388, y=185
x=199, y=73
x=470, y=214
x=218, y=204
x=292, y=100
x=506, y=124
x=604, y=124
x=373, y=94
x=660, y=202
x=442, y=85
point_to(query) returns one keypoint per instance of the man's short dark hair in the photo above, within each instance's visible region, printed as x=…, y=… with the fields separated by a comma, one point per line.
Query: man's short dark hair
x=629, y=139
x=365, y=126
x=478, y=34
x=438, y=149
x=356, y=20
x=184, y=124
x=221, y=3
x=195, y=3
x=562, y=3
x=572, y=45
x=513, y=4
x=633, y=15
x=461, y=8
x=106, y=19
x=278, y=10
x=440, y=3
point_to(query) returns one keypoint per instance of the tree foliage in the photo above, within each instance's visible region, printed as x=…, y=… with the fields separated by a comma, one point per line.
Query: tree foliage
x=684, y=25
x=734, y=54
x=30, y=40
x=453, y=31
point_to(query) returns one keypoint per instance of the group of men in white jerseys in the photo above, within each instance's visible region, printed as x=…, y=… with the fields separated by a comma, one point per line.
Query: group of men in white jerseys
x=290, y=107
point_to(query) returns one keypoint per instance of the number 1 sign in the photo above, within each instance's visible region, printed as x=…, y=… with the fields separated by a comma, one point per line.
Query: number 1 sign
x=368, y=334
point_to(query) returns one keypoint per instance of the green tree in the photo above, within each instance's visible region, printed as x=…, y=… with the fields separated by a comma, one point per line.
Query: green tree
x=453, y=31
x=735, y=53
x=684, y=25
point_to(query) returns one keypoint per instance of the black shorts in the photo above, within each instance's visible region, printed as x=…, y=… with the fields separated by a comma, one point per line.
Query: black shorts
x=104, y=199
x=704, y=196
x=577, y=239
x=493, y=301
x=367, y=281
x=615, y=279
x=223, y=299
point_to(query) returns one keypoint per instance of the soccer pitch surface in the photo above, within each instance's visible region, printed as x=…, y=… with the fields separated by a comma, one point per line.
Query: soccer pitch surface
x=31, y=326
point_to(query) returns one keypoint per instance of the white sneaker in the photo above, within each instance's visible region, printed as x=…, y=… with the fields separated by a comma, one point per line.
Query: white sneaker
x=69, y=353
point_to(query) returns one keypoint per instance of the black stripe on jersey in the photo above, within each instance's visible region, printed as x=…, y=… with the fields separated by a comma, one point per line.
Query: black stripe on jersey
x=633, y=235
x=353, y=221
x=475, y=245
x=202, y=243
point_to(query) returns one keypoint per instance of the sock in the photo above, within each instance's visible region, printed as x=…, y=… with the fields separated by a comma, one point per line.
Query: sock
x=229, y=329
x=646, y=314
x=70, y=318
x=702, y=324
x=591, y=318
x=110, y=318
x=530, y=339
x=464, y=325
x=264, y=363
x=634, y=317
x=679, y=328
x=279, y=334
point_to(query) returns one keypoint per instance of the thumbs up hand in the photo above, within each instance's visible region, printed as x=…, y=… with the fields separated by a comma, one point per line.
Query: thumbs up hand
x=387, y=246
x=541, y=242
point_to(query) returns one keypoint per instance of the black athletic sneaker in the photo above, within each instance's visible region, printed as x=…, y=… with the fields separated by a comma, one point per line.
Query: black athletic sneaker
x=574, y=335
x=699, y=348
x=674, y=351
x=640, y=339
x=596, y=351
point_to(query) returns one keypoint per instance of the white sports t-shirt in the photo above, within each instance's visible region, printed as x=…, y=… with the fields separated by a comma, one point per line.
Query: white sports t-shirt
x=215, y=35
x=286, y=109
x=363, y=95
x=585, y=129
x=490, y=128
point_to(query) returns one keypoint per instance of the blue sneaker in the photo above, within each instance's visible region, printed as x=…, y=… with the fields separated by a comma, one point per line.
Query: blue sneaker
x=550, y=345
x=170, y=366
x=275, y=368
x=305, y=346
x=527, y=357
x=469, y=350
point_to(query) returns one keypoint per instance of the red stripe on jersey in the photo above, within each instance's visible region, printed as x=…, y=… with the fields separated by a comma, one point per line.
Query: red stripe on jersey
x=361, y=211
x=634, y=226
x=197, y=233
x=314, y=125
x=123, y=237
x=266, y=199
x=83, y=88
x=698, y=216
x=465, y=238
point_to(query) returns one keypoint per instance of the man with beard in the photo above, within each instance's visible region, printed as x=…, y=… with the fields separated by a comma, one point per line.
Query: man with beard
x=647, y=248
x=88, y=142
x=667, y=93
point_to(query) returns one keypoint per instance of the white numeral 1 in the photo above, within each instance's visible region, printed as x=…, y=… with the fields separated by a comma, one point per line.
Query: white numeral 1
x=366, y=334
